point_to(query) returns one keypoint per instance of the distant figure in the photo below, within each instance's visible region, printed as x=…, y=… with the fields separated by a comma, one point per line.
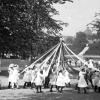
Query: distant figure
x=90, y=64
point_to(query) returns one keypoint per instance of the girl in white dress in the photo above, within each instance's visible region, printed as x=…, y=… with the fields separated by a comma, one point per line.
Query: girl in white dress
x=15, y=77
x=82, y=82
x=67, y=78
x=33, y=76
x=10, y=71
x=27, y=78
x=60, y=81
x=39, y=81
x=53, y=79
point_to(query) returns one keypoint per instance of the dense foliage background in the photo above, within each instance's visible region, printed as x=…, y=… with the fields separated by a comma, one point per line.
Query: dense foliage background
x=27, y=27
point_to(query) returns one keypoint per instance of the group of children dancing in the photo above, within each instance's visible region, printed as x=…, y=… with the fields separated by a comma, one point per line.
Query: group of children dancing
x=38, y=78
x=55, y=79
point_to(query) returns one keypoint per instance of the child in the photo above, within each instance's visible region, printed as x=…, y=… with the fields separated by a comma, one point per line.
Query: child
x=10, y=71
x=15, y=76
x=60, y=81
x=39, y=81
x=53, y=76
x=67, y=79
x=27, y=78
x=96, y=82
x=82, y=84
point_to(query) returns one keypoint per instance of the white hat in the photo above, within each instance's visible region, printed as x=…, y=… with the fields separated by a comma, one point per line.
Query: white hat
x=11, y=65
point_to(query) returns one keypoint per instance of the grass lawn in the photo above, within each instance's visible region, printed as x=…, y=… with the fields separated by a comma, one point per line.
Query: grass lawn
x=30, y=94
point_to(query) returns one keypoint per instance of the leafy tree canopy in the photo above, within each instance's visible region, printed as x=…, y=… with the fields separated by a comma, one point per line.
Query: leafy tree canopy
x=80, y=40
x=22, y=24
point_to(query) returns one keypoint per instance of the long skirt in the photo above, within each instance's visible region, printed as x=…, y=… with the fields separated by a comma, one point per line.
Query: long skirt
x=60, y=82
x=38, y=81
x=52, y=80
x=82, y=83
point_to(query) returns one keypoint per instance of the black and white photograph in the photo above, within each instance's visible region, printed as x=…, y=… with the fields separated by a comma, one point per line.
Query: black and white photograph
x=49, y=49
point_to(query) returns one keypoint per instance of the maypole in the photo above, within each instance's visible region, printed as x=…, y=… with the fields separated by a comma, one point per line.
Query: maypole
x=52, y=61
x=32, y=65
x=47, y=59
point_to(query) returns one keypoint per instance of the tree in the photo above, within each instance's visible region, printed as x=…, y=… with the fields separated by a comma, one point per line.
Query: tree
x=22, y=24
x=69, y=40
x=80, y=40
x=95, y=25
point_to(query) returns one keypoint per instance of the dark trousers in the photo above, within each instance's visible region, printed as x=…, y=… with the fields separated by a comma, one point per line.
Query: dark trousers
x=33, y=85
x=51, y=87
x=46, y=84
x=90, y=80
x=96, y=89
x=59, y=88
x=39, y=88
x=9, y=85
x=99, y=89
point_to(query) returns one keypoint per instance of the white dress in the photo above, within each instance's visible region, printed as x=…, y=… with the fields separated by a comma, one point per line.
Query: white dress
x=39, y=79
x=95, y=80
x=15, y=76
x=67, y=79
x=33, y=76
x=60, y=80
x=10, y=70
x=27, y=76
x=53, y=78
x=98, y=84
x=81, y=82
